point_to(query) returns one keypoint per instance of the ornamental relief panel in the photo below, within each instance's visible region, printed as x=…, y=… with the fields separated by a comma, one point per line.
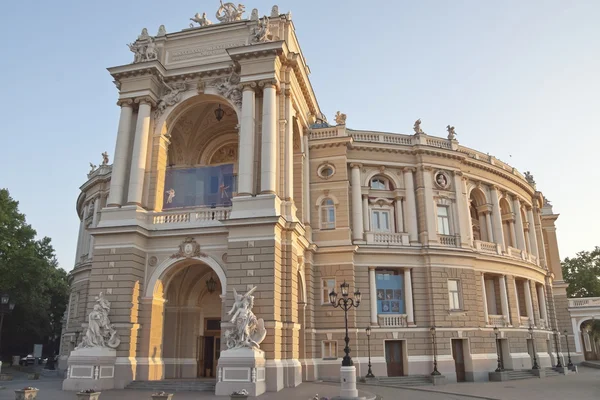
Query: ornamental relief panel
x=225, y=154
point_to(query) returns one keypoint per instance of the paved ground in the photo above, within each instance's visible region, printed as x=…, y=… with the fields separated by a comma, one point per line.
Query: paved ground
x=582, y=386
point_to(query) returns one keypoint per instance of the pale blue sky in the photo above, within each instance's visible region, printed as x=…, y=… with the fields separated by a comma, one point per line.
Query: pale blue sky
x=518, y=79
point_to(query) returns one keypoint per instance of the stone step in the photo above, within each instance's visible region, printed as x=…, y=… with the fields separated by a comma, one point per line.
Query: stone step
x=184, y=385
x=410, y=380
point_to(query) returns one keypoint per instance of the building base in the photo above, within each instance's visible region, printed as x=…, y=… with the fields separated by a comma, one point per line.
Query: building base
x=241, y=369
x=91, y=368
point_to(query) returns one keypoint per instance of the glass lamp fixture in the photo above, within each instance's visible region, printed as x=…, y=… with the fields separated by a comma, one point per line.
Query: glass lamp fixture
x=219, y=113
x=333, y=297
x=345, y=287
x=357, y=296
x=4, y=298
x=211, y=285
x=368, y=330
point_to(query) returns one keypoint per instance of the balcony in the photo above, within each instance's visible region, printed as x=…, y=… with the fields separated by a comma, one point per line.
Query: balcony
x=496, y=320
x=388, y=239
x=487, y=247
x=449, y=240
x=525, y=322
x=392, y=320
x=183, y=219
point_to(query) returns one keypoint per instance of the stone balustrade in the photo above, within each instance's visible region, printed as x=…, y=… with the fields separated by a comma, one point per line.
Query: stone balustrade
x=388, y=238
x=392, y=320
x=496, y=320
x=584, y=302
x=449, y=240
x=198, y=217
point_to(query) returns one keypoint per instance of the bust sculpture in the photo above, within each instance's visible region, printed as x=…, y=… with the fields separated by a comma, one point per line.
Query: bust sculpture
x=248, y=331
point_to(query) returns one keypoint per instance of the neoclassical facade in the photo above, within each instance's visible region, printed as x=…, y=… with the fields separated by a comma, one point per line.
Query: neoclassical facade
x=227, y=175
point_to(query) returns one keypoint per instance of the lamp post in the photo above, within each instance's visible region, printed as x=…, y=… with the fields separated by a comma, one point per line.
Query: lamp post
x=6, y=307
x=369, y=372
x=558, y=363
x=535, y=364
x=570, y=364
x=434, y=342
x=500, y=366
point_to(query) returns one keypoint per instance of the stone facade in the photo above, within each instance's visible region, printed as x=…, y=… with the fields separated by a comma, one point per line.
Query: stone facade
x=432, y=232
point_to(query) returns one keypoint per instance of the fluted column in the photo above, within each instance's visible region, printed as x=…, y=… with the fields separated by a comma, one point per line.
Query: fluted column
x=373, y=295
x=408, y=298
x=532, y=238
x=542, y=300
x=529, y=302
x=411, y=206
x=306, y=181
x=365, y=206
x=519, y=224
x=484, y=299
x=288, y=162
x=488, y=225
x=399, y=217
x=140, y=151
x=504, y=299
x=119, y=167
x=497, y=217
x=268, y=177
x=246, y=144
x=357, y=219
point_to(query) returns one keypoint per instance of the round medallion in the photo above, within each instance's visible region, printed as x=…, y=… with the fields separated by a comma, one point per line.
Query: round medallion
x=188, y=248
x=152, y=261
x=441, y=180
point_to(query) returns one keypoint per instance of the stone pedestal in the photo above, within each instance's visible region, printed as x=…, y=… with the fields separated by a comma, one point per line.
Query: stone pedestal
x=348, y=382
x=239, y=369
x=91, y=368
x=438, y=380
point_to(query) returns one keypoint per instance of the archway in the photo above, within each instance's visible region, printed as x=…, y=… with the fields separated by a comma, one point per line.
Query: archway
x=590, y=339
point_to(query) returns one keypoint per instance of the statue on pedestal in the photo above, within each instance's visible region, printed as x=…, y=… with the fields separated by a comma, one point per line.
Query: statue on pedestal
x=417, y=127
x=228, y=12
x=451, y=132
x=100, y=332
x=248, y=331
x=201, y=20
x=340, y=118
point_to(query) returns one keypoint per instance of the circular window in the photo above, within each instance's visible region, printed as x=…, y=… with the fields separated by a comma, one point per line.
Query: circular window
x=326, y=171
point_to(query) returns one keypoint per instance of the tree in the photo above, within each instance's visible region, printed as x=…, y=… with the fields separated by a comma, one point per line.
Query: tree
x=582, y=273
x=29, y=273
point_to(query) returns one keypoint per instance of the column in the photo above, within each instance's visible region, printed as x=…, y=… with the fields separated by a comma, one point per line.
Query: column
x=527, y=242
x=306, y=181
x=119, y=167
x=373, y=295
x=430, y=211
x=482, y=226
x=541, y=293
x=94, y=224
x=463, y=214
x=529, y=302
x=497, y=216
x=357, y=219
x=411, y=206
x=268, y=176
x=365, y=206
x=246, y=145
x=513, y=232
x=408, y=298
x=518, y=316
x=532, y=239
x=488, y=225
x=519, y=223
x=504, y=299
x=288, y=162
x=484, y=299
x=140, y=150
x=399, y=218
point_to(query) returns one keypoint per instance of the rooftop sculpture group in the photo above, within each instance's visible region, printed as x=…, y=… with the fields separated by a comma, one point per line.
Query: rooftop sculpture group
x=144, y=48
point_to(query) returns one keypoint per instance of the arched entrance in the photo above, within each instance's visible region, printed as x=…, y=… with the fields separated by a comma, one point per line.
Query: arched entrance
x=590, y=339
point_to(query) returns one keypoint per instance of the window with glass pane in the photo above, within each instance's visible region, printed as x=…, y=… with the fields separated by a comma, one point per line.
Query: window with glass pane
x=390, y=292
x=327, y=285
x=327, y=214
x=378, y=183
x=454, y=294
x=380, y=221
x=329, y=349
x=443, y=220
x=211, y=186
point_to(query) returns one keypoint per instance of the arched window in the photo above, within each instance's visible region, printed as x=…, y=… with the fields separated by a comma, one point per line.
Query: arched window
x=379, y=183
x=327, y=214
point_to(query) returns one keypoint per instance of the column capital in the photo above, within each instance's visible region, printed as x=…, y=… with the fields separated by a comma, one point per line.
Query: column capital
x=409, y=169
x=425, y=168
x=267, y=83
x=125, y=102
x=457, y=173
x=247, y=86
x=494, y=187
x=145, y=100
x=355, y=165
x=372, y=268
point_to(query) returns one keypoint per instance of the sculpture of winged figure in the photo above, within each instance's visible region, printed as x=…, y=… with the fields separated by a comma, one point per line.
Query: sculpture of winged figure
x=100, y=332
x=228, y=12
x=248, y=331
x=451, y=132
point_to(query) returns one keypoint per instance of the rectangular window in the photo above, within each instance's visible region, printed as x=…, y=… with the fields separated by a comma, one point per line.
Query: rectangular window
x=454, y=294
x=390, y=292
x=380, y=221
x=443, y=220
x=327, y=285
x=327, y=214
x=329, y=349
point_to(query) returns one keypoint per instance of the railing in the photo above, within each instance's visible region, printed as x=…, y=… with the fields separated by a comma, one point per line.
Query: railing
x=388, y=238
x=392, y=320
x=441, y=143
x=448, y=240
x=196, y=217
x=378, y=137
x=326, y=133
x=525, y=322
x=496, y=320
x=486, y=247
x=515, y=253
x=585, y=302
x=533, y=259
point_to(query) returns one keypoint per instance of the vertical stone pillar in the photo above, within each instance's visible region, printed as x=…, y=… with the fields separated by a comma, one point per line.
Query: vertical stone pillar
x=430, y=212
x=94, y=224
x=408, y=298
x=399, y=217
x=488, y=225
x=504, y=299
x=306, y=181
x=268, y=177
x=518, y=313
x=497, y=216
x=542, y=299
x=482, y=226
x=529, y=302
x=411, y=206
x=365, y=206
x=519, y=224
x=119, y=167
x=463, y=215
x=140, y=150
x=484, y=299
x=373, y=295
x=288, y=188
x=246, y=144
x=532, y=239
x=80, y=239
x=513, y=232
x=357, y=219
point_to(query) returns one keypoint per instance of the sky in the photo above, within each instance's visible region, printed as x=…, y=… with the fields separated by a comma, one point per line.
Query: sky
x=518, y=79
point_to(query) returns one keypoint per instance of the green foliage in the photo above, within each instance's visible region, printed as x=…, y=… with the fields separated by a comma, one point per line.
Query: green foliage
x=29, y=273
x=582, y=273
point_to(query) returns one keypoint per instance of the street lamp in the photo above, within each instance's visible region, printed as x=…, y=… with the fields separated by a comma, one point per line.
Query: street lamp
x=500, y=366
x=558, y=363
x=535, y=364
x=6, y=307
x=345, y=303
x=570, y=364
x=369, y=373
x=434, y=342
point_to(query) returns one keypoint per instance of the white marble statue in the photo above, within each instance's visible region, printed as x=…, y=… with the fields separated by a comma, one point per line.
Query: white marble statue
x=100, y=332
x=201, y=20
x=248, y=331
x=451, y=132
x=261, y=32
x=417, y=126
x=228, y=12
x=144, y=48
